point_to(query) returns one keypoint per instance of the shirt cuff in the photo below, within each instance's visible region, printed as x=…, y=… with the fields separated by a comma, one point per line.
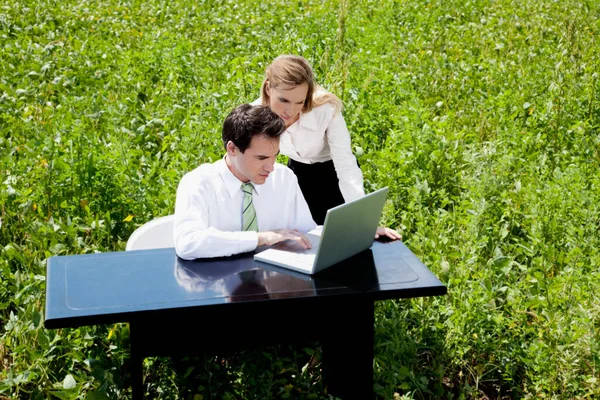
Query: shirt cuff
x=248, y=241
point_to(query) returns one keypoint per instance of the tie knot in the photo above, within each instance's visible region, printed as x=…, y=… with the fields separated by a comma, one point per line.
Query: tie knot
x=247, y=187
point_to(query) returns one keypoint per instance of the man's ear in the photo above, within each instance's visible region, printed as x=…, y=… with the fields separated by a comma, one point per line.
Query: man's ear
x=231, y=148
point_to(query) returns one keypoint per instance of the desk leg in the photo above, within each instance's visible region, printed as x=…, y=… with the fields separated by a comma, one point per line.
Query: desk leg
x=348, y=350
x=137, y=362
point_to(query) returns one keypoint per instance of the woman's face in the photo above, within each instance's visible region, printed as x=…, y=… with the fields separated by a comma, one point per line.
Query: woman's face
x=287, y=103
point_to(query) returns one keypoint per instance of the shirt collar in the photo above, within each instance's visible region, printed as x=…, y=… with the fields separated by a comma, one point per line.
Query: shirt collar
x=232, y=183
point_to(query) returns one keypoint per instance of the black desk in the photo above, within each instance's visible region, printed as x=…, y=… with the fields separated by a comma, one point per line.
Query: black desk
x=239, y=303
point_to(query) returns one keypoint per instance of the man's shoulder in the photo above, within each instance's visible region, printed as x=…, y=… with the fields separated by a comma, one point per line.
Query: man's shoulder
x=282, y=169
x=282, y=174
x=203, y=169
x=203, y=173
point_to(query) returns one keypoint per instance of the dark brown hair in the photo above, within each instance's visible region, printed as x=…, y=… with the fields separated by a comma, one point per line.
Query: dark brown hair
x=247, y=121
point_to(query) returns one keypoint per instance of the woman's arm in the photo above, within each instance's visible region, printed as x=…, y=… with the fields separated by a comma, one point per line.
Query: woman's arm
x=348, y=172
x=347, y=169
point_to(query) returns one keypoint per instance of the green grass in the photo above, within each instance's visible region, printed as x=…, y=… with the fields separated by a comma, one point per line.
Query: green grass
x=483, y=118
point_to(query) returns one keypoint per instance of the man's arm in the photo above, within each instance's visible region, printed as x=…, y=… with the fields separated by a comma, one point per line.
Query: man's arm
x=210, y=242
x=192, y=233
x=268, y=238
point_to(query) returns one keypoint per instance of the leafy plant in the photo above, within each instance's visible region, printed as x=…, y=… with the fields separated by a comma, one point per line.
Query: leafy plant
x=482, y=117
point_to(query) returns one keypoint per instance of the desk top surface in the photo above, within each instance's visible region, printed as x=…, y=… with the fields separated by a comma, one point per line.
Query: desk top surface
x=119, y=286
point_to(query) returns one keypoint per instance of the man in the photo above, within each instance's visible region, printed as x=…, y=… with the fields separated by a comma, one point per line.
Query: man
x=244, y=200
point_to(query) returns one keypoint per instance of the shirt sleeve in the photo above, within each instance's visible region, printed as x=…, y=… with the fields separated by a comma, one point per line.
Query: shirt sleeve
x=193, y=236
x=348, y=172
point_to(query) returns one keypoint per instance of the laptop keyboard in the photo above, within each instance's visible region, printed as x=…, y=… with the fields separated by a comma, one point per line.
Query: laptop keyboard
x=308, y=255
x=289, y=254
x=304, y=260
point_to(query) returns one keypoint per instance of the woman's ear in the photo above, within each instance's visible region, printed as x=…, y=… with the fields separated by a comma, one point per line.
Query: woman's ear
x=267, y=88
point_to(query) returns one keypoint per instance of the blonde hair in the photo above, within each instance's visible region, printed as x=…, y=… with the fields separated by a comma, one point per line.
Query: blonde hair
x=287, y=72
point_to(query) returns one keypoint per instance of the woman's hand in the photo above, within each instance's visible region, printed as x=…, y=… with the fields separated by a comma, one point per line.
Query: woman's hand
x=387, y=232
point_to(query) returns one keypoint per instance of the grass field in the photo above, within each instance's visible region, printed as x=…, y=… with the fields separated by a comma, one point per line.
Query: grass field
x=483, y=118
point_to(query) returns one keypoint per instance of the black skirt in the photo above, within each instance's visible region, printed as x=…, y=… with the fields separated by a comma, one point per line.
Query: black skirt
x=320, y=186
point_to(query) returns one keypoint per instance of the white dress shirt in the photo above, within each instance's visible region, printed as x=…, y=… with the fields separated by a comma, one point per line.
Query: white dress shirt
x=208, y=210
x=321, y=135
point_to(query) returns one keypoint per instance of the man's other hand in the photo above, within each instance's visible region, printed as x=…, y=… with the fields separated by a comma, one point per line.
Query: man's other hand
x=269, y=238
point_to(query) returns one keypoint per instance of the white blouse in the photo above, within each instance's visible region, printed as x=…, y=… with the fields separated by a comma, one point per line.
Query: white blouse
x=321, y=135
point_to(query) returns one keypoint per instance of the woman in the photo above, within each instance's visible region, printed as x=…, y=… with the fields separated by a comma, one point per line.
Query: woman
x=316, y=141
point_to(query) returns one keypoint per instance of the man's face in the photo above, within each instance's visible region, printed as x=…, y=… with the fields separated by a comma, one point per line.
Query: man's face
x=257, y=162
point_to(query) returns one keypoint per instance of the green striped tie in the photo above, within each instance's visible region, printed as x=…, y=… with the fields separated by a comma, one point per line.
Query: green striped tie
x=249, y=222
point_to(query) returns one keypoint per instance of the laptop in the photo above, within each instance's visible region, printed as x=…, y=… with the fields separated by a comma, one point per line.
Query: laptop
x=348, y=230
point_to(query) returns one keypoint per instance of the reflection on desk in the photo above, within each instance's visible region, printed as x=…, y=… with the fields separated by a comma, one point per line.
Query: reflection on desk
x=234, y=281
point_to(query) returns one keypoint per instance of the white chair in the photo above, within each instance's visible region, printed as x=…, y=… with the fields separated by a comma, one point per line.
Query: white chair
x=155, y=234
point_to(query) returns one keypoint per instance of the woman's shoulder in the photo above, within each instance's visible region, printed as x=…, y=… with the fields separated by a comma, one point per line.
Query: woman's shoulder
x=326, y=102
x=320, y=91
x=324, y=112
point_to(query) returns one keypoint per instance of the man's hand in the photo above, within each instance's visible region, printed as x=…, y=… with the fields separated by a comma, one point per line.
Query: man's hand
x=388, y=232
x=268, y=238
